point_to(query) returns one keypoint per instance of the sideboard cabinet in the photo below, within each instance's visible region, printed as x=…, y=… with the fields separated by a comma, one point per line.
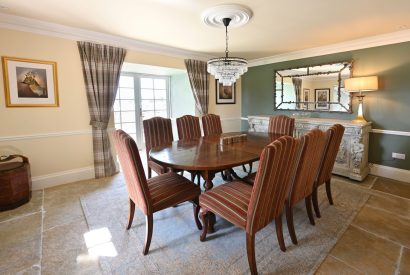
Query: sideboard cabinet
x=352, y=158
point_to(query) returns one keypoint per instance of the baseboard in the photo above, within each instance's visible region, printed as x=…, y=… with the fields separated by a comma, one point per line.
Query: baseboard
x=390, y=172
x=54, y=179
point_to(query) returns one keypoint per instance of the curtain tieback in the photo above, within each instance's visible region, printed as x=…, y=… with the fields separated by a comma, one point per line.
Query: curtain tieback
x=99, y=124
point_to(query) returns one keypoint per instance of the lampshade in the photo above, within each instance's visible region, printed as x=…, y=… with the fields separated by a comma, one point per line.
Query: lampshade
x=361, y=84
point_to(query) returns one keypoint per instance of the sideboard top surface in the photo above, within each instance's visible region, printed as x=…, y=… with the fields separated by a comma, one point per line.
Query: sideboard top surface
x=321, y=120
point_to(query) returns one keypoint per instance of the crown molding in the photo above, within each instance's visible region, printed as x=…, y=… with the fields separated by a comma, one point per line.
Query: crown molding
x=19, y=23
x=357, y=44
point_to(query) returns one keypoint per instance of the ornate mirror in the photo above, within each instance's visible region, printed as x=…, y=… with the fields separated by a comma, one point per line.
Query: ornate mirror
x=318, y=88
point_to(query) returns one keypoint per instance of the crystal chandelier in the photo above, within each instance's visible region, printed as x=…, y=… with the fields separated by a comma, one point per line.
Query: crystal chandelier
x=227, y=69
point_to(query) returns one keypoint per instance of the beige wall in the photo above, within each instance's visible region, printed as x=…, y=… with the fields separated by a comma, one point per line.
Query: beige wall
x=59, y=139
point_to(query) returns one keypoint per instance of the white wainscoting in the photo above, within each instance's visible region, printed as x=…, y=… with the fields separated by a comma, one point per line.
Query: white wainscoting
x=390, y=172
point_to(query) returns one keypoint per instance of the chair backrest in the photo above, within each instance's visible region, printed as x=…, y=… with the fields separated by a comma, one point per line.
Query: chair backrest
x=313, y=146
x=211, y=124
x=271, y=186
x=281, y=125
x=133, y=170
x=335, y=135
x=188, y=127
x=157, y=132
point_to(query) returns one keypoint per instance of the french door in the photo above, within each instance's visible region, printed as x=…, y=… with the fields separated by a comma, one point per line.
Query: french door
x=140, y=97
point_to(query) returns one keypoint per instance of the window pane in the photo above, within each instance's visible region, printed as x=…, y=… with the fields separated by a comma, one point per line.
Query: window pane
x=127, y=105
x=147, y=105
x=147, y=94
x=162, y=113
x=147, y=114
x=117, y=105
x=128, y=116
x=160, y=104
x=126, y=93
x=129, y=128
x=159, y=84
x=160, y=94
x=134, y=136
x=117, y=96
x=117, y=126
x=126, y=81
x=117, y=117
x=146, y=83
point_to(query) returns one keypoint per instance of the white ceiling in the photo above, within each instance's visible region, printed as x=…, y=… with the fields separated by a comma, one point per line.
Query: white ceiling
x=276, y=26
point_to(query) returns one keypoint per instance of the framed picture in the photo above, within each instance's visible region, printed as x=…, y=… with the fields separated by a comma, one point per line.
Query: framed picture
x=322, y=97
x=30, y=83
x=225, y=94
x=306, y=93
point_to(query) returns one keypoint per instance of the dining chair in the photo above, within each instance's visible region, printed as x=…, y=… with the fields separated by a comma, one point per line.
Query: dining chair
x=157, y=132
x=335, y=135
x=155, y=194
x=281, y=125
x=189, y=128
x=253, y=207
x=312, y=148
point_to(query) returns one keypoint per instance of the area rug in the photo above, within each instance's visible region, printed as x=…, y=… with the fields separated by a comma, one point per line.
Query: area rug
x=176, y=249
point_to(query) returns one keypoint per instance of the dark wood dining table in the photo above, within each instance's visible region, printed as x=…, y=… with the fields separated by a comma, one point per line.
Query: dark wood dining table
x=207, y=156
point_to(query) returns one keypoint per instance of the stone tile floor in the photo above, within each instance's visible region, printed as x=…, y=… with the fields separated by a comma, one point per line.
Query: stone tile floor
x=47, y=235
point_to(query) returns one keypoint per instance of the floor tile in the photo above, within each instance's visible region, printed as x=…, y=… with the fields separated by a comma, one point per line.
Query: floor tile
x=366, y=183
x=331, y=265
x=397, y=206
x=405, y=262
x=401, y=189
x=34, y=205
x=20, y=241
x=366, y=252
x=384, y=224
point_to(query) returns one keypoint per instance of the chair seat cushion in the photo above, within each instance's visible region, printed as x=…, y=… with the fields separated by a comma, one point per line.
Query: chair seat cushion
x=229, y=201
x=170, y=189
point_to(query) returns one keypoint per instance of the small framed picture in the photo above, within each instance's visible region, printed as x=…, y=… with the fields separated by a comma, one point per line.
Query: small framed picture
x=225, y=94
x=322, y=98
x=30, y=83
x=306, y=98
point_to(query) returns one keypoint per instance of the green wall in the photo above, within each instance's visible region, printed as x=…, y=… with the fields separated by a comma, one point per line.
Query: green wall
x=182, y=99
x=388, y=108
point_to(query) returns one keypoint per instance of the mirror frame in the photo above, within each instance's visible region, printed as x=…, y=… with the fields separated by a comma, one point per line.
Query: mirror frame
x=276, y=74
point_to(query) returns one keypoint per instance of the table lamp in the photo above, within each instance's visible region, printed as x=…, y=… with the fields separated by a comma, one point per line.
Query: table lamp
x=361, y=84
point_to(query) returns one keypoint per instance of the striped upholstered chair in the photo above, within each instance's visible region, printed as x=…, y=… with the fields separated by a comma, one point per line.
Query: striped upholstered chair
x=312, y=148
x=335, y=135
x=253, y=207
x=281, y=125
x=154, y=194
x=157, y=132
x=211, y=124
x=188, y=127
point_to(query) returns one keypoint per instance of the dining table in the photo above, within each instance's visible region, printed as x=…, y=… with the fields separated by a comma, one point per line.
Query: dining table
x=208, y=155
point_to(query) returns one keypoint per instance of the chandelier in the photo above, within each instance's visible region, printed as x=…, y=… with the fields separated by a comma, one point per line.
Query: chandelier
x=227, y=69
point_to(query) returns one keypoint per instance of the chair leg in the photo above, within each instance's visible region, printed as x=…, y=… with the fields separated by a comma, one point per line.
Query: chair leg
x=250, y=249
x=289, y=221
x=193, y=176
x=329, y=192
x=308, y=203
x=149, y=172
x=148, y=233
x=196, y=207
x=224, y=177
x=205, y=222
x=131, y=213
x=250, y=168
x=279, y=233
x=199, y=179
x=244, y=168
x=315, y=202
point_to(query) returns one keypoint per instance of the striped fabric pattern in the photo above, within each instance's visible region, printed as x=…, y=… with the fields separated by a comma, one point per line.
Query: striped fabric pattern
x=312, y=146
x=170, y=189
x=281, y=124
x=335, y=135
x=188, y=127
x=229, y=201
x=133, y=171
x=157, y=132
x=211, y=125
x=272, y=184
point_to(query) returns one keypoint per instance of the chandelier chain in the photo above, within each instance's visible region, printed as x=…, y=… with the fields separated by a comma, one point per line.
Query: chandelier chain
x=226, y=41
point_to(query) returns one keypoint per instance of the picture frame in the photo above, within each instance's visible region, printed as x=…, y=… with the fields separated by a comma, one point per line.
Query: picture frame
x=306, y=98
x=225, y=94
x=322, y=97
x=30, y=82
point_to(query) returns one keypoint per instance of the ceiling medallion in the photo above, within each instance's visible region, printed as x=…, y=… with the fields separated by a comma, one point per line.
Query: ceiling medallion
x=227, y=69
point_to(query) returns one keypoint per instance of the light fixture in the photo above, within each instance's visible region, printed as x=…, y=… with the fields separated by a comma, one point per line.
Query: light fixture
x=227, y=69
x=361, y=84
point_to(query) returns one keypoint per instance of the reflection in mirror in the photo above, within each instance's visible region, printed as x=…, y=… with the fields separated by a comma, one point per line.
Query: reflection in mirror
x=313, y=88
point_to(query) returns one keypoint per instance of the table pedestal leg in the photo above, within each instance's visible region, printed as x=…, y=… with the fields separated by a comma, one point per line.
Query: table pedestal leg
x=208, y=184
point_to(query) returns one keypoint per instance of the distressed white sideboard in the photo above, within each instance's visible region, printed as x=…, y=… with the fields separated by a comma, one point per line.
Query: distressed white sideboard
x=352, y=158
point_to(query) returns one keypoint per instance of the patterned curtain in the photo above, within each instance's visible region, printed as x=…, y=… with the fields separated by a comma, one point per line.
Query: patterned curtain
x=199, y=79
x=297, y=83
x=101, y=69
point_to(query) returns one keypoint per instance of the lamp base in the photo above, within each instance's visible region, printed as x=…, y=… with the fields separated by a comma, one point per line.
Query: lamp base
x=360, y=117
